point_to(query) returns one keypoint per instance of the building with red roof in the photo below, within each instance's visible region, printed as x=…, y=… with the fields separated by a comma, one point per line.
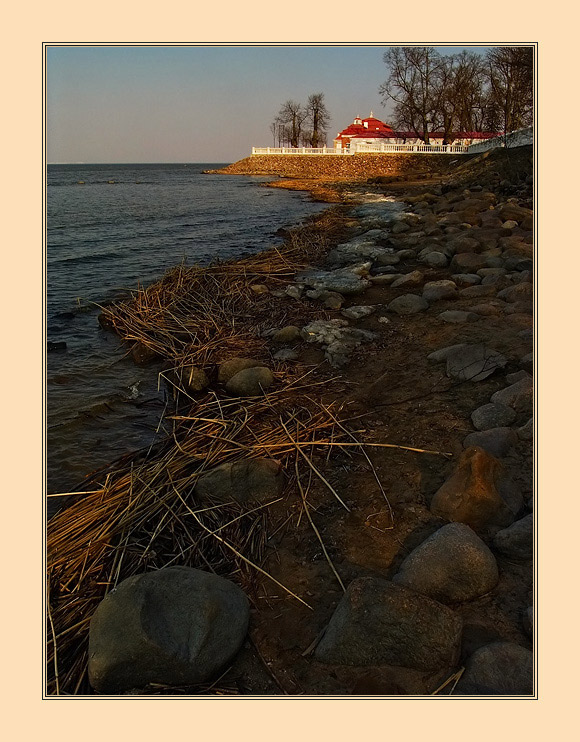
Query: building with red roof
x=372, y=131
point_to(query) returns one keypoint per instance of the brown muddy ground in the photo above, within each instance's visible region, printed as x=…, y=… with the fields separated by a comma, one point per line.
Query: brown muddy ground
x=394, y=395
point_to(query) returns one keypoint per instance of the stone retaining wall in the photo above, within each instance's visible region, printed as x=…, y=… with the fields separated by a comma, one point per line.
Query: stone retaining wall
x=331, y=166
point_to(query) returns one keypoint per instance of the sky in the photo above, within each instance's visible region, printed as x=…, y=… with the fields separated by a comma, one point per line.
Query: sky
x=210, y=104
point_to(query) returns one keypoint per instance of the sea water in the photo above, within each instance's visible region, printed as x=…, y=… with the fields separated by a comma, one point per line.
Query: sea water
x=111, y=228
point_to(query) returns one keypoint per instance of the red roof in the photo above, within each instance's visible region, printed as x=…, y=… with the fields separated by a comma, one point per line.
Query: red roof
x=369, y=128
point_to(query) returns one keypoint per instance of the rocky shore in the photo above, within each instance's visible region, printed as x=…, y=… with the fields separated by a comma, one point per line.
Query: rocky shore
x=416, y=577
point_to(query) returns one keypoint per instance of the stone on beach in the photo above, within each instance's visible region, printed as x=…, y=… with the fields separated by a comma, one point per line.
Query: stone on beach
x=437, y=290
x=343, y=281
x=474, y=362
x=251, y=382
x=519, y=395
x=453, y=565
x=188, y=378
x=496, y=441
x=408, y=304
x=358, y=312
x=492, y=416
x=288, y=334
x=470, y=495
x=498, y=669
x=378, y=623
x=249, y=480
x=517, y=541
x=174, y=626
x=235, y=365
x=142, y=354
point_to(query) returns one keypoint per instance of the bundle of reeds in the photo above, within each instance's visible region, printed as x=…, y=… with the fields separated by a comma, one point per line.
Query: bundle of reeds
x=145, y=515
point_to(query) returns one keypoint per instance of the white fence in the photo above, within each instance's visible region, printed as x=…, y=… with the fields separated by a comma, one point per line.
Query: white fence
x=451, y=149
x=298, y=151
x=517, y=138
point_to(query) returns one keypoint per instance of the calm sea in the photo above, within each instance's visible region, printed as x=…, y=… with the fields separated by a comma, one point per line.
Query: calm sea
x=110, y=228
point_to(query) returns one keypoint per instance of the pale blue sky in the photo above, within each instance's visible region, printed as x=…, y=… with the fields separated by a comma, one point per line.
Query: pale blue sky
x=109, y=104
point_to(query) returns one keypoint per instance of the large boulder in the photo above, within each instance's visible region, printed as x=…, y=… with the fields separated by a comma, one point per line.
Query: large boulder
x=471, y=494
x=380, y=623
x=175, y=626
x=498, y=669
x=453, y=565
x=249, y=480
x=251, y=382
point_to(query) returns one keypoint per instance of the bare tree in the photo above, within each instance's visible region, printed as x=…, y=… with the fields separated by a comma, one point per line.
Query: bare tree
x=413, y=84
x=291, y=117
x=510, y=71
x=318, y=119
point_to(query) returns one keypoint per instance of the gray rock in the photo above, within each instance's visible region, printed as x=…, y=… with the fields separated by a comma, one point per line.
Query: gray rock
x=343, y=281
x=453, y=565
x=492, y=416
x=517, y=541
x=436, y=259
x=288, y=334
x=437, y=290
x=496, y=441
x=387, y=259
x=338, y=339
x=294, y=292
x=378, y=623
x=249, y=480
x=498, y=669
x=251, y=382
x=285, y=354
x=457, y=316
x=474, y=362
x=519, y=395
x=235, y=365
x=358, y=312
x=408, y=304
x=175, y=626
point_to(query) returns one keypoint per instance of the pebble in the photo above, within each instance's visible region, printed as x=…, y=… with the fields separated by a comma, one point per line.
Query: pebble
x=466, y=279
x=435, y=260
